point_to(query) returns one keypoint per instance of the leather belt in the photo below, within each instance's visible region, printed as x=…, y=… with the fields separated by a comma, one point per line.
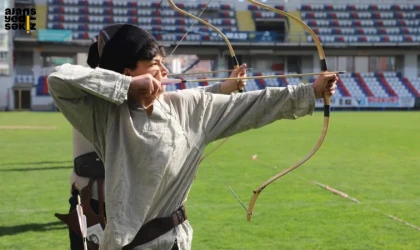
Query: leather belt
x=157, y=227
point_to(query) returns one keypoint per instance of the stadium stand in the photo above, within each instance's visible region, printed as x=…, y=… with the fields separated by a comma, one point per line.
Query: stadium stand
x=363, y=23
x=337, y=25
x=86, y=18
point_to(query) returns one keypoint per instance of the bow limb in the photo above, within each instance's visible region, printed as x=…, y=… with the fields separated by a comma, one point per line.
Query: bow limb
x=304, y=25
x=231, y=51
x=326, y=109
x=235, y=61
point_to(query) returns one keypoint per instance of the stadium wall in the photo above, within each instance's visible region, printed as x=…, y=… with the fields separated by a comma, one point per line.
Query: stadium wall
x=6, y=98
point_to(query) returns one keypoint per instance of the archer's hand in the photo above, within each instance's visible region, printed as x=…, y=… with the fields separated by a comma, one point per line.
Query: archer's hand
x=325, y=84
x=144, y=87
x=230, y=86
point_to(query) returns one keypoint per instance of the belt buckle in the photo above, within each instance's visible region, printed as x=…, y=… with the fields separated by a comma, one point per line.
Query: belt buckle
x=179, y=215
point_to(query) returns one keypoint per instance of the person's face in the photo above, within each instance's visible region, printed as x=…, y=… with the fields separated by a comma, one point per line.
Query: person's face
x=155, y=67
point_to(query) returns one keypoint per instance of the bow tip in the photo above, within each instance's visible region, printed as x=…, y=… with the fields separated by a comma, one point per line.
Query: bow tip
x=249, y=216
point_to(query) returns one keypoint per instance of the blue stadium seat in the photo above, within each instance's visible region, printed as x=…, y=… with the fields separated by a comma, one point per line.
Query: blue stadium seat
x=75, y=15
x=367, y=22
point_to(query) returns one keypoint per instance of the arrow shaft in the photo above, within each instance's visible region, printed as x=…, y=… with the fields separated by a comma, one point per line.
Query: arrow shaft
x=204, y=72
x=174, y=81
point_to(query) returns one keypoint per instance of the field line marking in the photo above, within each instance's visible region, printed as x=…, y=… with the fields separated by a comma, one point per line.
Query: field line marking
x=26, y=127
x=344, y=195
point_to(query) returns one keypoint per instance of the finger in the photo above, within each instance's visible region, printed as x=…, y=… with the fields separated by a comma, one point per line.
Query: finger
x=238, y=71
x=242, y=71
x=331, y=84
x=330, y=77
x=151, y=88
x=157, y=85
x=148, y=86
x=335, y=79
x=330, y=90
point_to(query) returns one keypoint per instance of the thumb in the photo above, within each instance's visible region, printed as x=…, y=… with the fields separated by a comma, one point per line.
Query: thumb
x=242, y=67
x=237, y=71
x=329, y=78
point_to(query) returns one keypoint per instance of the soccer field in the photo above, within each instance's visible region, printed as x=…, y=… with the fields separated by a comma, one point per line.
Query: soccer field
x=372, y=156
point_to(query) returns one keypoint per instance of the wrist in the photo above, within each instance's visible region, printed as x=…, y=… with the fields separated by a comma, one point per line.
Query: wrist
x=227, y=87
x=317, y=95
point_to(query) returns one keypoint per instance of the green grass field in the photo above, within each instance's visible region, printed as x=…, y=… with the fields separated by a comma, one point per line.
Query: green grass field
x=372, y=156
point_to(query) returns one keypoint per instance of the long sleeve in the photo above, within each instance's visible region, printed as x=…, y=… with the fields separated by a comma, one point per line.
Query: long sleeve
x=214, y=88
x=85, y=97
x=228, y=115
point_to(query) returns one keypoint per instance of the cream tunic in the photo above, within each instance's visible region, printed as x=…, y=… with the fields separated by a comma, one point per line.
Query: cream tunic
x=150, y=161
x=82, y=146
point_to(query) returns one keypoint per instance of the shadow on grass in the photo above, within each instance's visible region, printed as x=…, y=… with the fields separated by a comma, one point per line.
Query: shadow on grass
x=33, y=227
x=34, y=163
x=34, y=169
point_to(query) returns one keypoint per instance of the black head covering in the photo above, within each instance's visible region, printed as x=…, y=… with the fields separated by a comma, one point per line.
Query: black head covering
x=93, y=54
x=116, y=45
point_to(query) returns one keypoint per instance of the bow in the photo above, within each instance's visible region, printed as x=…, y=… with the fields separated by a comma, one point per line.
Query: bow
x=326, y=110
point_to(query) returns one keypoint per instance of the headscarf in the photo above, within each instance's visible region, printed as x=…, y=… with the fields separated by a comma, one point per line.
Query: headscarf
x=117, y=45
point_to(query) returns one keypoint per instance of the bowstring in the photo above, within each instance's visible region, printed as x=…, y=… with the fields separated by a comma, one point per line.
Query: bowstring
x=189, y=29
x=150, y=22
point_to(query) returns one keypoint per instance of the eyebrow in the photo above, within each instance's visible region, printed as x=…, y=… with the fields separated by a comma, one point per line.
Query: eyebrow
x=158, y=59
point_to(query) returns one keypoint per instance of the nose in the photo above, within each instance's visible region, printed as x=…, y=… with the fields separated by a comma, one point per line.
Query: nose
x=164, y=71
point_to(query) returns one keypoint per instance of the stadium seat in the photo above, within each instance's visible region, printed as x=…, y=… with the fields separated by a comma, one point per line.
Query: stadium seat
x=352, y=86
x=363, y=21
x=81, y=16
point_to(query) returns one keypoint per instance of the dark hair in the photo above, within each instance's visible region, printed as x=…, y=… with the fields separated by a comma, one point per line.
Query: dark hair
x=128, y=45
x=146, y=53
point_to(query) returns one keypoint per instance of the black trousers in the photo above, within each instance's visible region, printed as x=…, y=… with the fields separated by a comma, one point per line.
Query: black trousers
x=76, y=243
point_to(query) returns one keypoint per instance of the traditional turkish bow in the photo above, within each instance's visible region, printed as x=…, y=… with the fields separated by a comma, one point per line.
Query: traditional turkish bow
x=326, y=98
x=326, y=109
